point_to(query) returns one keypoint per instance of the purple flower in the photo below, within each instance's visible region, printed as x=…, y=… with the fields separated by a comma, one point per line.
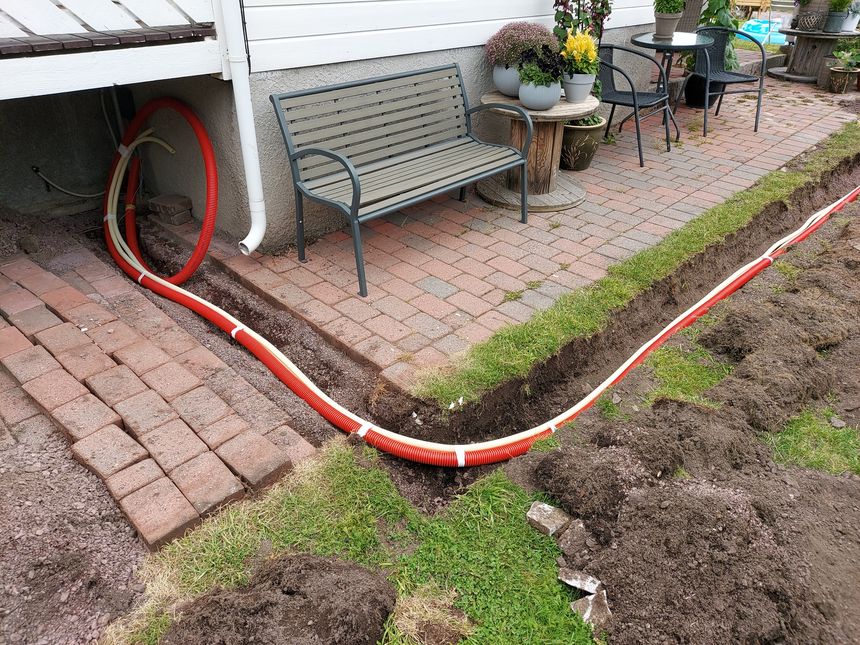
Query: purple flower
x=507, y=45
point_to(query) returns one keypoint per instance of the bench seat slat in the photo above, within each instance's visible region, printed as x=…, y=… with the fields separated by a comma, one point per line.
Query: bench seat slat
x=330, y=112
x=294, y=100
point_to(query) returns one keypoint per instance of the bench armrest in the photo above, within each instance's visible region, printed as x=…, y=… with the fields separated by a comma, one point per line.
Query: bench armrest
x=511, y=108
x=343, y=161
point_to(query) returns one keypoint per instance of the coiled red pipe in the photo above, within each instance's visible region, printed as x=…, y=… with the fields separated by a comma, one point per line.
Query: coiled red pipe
x=448, y=456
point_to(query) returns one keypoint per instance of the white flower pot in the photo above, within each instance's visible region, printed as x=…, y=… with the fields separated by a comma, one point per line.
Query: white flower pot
x=539, y=97
x=577, y=87
x=506, y=80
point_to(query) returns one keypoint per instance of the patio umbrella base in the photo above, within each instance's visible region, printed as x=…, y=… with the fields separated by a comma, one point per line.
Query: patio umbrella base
x=567, y=194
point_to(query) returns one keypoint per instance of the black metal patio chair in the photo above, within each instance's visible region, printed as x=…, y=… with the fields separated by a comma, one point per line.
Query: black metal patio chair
x=633, y=98
x=711, y=66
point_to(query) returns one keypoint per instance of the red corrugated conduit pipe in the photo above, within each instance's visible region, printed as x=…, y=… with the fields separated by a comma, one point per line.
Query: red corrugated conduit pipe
x=128, y=257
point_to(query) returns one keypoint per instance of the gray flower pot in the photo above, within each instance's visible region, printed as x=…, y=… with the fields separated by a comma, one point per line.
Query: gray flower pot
x=665, y=25
x=577, y=87
x=506, y=80
x=834, y=22
x=539, y=97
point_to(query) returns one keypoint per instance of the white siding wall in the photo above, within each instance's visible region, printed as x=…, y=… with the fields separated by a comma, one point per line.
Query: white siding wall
x=284, y=34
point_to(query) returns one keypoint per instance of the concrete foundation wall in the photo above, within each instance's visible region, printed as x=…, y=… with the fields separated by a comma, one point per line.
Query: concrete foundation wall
x=65, y=135
x=212, y=100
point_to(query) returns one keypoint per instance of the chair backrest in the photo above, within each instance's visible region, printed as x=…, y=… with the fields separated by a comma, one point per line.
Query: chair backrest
x=605, y=74
x=716, y=52
x=692, y=13
x=372, y=119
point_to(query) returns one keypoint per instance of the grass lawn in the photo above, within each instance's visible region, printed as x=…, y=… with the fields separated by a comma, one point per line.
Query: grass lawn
x=480, y=551
x=810, y=440
x=684, y=375
x=514, y=350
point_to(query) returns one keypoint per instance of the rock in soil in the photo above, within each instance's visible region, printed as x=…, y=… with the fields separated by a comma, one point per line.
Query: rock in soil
x=579, y=580
x=547, y=519
x=294, y=600
x=594, y=610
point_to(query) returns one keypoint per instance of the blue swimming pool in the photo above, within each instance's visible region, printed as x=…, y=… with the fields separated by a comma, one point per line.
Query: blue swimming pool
x=764, y=31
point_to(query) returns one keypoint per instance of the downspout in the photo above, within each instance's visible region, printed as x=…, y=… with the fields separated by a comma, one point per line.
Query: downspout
x=234, y=35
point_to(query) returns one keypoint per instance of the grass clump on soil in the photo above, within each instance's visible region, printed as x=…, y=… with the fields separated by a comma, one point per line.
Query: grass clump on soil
x=501, y=572
x=513, y=350
x=810, y=440
x=608, y=408
x=684, y=375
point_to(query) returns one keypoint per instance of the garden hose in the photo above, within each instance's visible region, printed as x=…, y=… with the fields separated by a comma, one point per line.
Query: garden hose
x=128, y=258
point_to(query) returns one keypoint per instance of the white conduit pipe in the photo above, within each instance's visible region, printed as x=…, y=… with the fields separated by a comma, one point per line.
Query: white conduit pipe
x=427, y=451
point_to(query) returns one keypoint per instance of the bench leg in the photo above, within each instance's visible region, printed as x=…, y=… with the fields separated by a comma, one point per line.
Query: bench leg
x=300, y=226
x=462, y=194
x=359, y=258
x=524, y=194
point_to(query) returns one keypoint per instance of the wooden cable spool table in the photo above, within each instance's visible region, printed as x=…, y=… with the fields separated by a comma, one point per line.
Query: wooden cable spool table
x=807, y=58
x=549, y=190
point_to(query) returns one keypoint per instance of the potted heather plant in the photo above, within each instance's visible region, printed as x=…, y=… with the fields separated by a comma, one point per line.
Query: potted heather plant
x=540, y=78
x=667, y=13
x=504, y=51
x=844, y=74
x=580, y=63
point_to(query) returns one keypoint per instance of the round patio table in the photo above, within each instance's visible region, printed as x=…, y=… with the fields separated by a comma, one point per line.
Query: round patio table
x=548, y=189
x=679, y=42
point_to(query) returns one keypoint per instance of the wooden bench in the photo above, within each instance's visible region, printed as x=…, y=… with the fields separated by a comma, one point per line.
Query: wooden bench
x=373, y=146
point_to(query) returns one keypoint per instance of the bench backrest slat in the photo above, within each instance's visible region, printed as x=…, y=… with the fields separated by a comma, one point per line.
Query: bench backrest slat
x=372, y=119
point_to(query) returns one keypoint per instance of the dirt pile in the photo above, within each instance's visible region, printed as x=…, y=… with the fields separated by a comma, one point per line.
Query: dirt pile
x=733, y=548
x=298, y=600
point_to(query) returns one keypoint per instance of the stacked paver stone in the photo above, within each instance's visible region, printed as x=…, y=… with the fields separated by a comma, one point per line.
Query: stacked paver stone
x=170, y=428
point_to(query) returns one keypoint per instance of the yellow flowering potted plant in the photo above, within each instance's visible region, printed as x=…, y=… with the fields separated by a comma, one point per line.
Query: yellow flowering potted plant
x=580, y=64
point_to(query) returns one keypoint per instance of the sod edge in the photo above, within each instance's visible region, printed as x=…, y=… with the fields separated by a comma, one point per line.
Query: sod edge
x=513, y=351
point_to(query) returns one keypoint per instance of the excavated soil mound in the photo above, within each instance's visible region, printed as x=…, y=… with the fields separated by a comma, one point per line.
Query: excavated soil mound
x=743, y=550
x=295, y=600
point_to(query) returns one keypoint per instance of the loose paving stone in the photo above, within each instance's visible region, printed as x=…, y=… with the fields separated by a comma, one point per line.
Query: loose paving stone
x=114, y=336
x=223, y=430
x=579, y=580
x=12, y=341
x=36, y=319
x=7, y=381
x=85, y=361
x=159, y=512
x=171, y=380
x=62, y=338
x=29, y=363
x=83, y=416
x=201, y=407
x=53, y=389
x=291, y=443
x=16, y=300
x=107, y=451
x=64, y=299
x=16, y=406
x=547, y=519
x=142, y=356
x=207, y=483
x=144, y=412
x=254, y=458
x=173, y=444
x=116, y=384
x=132, y=478
x=40, y=282
x=594, y=610
x=201, y=362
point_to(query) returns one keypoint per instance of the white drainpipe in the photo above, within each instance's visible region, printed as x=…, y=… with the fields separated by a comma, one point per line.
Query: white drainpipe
x=234, y=36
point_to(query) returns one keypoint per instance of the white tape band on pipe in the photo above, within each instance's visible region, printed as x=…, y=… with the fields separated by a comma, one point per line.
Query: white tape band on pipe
x=461, y=456
x=140, y=278
x=553, y=428
x=237, y=329
x=123, y=150
x=364, y=429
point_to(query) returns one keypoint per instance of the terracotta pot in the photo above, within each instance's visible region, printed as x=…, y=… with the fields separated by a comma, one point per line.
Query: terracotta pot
x=580, y=144
x=665, y=25
x=841, y=79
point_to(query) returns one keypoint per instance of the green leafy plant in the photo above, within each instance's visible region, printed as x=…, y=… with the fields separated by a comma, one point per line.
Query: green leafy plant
x=840, y=6
x=669, y=6
x=582, y=15
x=541, y=66
x=594, y=119
x=849, y=60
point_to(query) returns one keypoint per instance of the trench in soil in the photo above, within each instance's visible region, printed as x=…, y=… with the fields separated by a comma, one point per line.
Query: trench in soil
x=551, y=386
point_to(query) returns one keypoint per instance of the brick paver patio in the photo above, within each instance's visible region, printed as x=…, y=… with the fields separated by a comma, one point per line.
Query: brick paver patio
x=172, y=430
x=444, y=275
